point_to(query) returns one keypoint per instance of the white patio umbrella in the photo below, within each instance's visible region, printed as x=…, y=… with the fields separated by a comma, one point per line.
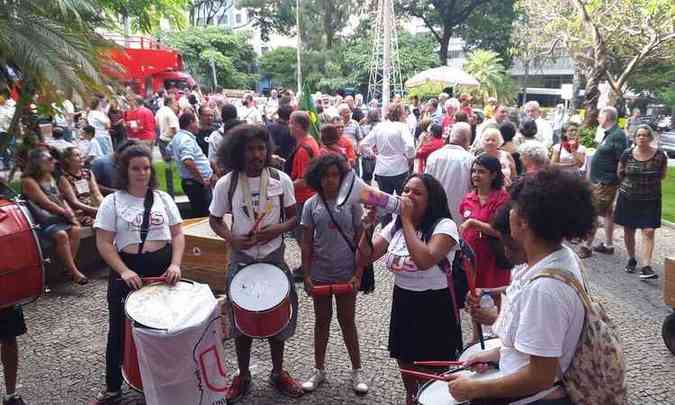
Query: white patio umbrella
x=445, y=75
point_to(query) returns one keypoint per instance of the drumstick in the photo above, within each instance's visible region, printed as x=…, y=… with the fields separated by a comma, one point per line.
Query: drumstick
x=427, y=376
x=268, y=209
x=433, y=363
x=471, y=280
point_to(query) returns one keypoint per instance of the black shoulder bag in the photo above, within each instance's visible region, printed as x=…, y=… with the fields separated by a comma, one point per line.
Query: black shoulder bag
x=148, y=201
x=368, y=277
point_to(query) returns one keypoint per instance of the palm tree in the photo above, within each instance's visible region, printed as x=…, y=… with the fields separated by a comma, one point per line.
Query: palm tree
x=487, y=68
x=50, y=45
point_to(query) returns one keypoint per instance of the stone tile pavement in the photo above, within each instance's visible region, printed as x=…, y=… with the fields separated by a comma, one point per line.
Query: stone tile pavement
x=62, y=356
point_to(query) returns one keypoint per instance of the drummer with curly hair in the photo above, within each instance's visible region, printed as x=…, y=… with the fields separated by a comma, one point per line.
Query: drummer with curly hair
x=263, y=207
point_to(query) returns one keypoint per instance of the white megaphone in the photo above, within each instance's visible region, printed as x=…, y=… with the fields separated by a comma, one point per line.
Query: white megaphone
x=353, y=190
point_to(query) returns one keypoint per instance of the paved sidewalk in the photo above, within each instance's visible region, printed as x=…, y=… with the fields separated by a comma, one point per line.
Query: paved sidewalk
x=62, y=356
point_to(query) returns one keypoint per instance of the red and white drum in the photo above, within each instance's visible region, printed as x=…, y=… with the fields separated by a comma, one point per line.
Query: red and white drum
x=260, y=299
x=21, y=263
x=437, y=393
x=155, y=306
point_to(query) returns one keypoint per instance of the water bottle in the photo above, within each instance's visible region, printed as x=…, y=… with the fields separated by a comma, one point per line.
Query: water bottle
x=487, y=302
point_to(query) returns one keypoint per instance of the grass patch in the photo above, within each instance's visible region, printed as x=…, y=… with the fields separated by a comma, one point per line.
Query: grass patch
x=161, y=177
x=669, y=196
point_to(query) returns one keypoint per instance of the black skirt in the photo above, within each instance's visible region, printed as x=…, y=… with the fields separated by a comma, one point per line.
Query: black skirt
x=637, y=214
x=423, y=326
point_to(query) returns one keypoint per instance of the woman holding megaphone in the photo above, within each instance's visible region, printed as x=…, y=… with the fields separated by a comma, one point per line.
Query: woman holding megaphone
x=417, y=247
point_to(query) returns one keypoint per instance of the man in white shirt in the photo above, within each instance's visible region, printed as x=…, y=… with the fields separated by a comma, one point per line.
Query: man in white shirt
x=248, y=111
x=451, y=166
x=544, y=128
x=167, y=123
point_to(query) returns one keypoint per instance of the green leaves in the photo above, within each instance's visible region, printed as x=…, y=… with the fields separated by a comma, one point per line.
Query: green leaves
x=233, y=57
x=486, y=67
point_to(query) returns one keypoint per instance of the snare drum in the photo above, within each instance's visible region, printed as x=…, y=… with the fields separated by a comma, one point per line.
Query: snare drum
x=437, y=392
x=490, y=344
x=260, y=300
x=21, y=263
x=155, y=306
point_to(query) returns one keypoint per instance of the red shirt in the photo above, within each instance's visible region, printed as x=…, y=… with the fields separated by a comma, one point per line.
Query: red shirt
x=301, y=161
x=348, y=148
x=144, y=124
x=488, y=275
x=426, y=149
x=447, y=121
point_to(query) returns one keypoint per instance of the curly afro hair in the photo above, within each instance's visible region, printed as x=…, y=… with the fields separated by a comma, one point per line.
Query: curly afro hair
x=232, y=152
x=320, y=166
x=555, y=204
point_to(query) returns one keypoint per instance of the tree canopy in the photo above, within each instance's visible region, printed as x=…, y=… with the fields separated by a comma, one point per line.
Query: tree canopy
x=233, y=57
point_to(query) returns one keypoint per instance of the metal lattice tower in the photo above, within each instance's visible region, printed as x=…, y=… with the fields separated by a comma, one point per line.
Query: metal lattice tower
x=385, y=74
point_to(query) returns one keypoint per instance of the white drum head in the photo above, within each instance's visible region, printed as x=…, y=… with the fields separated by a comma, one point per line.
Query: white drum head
x=437, y=392
x=475, y=348
x=158, y=305
x=259, y=287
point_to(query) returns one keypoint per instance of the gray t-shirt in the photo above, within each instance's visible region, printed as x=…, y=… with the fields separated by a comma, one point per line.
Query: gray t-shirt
x=332, y=258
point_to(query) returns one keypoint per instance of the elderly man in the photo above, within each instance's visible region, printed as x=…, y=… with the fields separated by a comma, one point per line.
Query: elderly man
x=604, y=178
x=534, y=157
x=351, y=129
x=451, y=166
x=544, y=128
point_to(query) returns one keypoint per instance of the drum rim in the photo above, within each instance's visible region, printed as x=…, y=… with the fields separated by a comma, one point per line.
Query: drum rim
x=290, y=317
x=231, y=292
x=135, y=323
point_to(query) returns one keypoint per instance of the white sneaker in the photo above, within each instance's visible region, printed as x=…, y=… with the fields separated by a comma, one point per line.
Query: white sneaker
x=314, y=381
x=358, y=385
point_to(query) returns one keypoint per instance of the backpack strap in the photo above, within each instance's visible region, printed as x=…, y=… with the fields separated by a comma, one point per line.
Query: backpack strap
x=274, y=173
x=566, y=277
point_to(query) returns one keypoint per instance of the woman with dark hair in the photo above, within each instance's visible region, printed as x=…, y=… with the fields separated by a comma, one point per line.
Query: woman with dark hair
x=541, y=318
x=79, y=187
x=138, y=234
x=97, y=118
x=418, y=248
x=478, y=208
x=569, y=154
x=40, y=188
x=642, y=169
x=508, y=132
x=328, y=257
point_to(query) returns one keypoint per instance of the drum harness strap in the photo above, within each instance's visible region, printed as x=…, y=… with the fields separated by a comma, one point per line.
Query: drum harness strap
x=148, y=201
x=273, y=173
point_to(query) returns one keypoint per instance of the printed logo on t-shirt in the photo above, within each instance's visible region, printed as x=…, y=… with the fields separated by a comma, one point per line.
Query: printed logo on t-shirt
x=399, y=264
x=156, y=220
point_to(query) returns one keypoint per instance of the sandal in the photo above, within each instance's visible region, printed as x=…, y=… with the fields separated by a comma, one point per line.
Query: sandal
x=286, y=385
x=585, y=252
x=80, y=280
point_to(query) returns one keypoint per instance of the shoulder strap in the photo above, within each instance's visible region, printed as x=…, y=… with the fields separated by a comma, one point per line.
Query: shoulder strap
x=234, y=179
x=274, y=173
x=565, y=276
x=342, y=233
x=148, y=201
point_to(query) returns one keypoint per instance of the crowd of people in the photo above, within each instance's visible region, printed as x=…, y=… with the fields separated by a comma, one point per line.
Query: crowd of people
x=514, y=189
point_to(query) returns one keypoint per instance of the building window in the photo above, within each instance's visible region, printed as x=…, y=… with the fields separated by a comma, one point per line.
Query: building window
x=264, y=49
x=237, y=18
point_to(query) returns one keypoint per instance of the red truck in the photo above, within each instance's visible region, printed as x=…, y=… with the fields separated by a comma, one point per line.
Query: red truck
x=148, y=65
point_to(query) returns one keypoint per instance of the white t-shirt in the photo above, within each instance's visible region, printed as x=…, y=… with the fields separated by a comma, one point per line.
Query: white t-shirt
x=166, y=119
x=451, y=166
x=122, y=213
x=395, y=146
x=242, y=222
x=567, y=157
x=398, y=260
x=100, y=121
x=543, y=318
